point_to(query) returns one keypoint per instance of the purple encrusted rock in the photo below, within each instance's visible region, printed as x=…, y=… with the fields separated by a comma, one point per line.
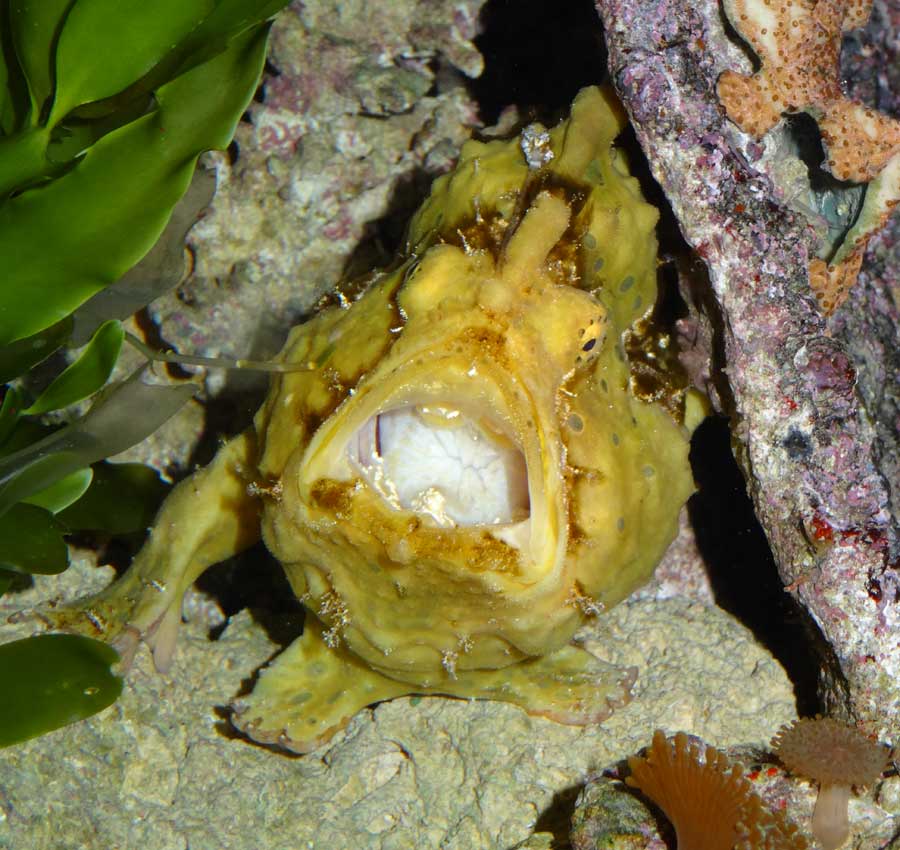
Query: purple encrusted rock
x=813, y=404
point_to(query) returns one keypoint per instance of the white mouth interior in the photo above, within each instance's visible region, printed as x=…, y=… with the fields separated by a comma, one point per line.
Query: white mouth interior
x=436, y=461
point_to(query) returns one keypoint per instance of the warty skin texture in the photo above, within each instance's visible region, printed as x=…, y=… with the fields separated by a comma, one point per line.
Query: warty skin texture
x=506, y=308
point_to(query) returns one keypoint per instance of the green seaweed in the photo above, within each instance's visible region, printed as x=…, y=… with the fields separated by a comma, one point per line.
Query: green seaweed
x=53, y=680
x=32, y=541
x=120, y=103
x=105, y=107
x=86, y=375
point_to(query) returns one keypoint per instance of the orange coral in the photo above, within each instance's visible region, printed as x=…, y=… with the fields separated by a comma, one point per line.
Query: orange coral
x=798, y=43
x=708, y=800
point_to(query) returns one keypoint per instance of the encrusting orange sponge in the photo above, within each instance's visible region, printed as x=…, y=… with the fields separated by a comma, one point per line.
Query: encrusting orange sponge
x=798, y=43
x=708, y=800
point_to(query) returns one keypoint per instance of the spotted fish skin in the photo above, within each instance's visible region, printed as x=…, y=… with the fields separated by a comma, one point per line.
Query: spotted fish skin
x=465, y=468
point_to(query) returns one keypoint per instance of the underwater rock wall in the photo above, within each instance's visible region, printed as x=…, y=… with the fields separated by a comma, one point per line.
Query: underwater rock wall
x=812, y=403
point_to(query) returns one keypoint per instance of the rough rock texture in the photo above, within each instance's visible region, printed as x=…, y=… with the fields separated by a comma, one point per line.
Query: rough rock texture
x=868, y=327
x=802, y=417
x=162, y=769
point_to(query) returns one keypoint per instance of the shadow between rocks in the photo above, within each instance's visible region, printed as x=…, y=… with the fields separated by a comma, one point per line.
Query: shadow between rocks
x=557, y=817
x=537, y=55
x=740, y=564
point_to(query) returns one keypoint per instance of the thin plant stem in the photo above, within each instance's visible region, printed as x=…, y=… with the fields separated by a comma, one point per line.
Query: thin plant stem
x=221, y=362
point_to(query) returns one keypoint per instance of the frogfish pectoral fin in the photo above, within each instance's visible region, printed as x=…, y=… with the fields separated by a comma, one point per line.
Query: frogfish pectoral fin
x=309, y=692
x=205, y=519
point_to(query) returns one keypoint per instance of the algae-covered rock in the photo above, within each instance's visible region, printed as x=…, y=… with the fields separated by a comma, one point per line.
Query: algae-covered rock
x=813, y=402
x=609, y=817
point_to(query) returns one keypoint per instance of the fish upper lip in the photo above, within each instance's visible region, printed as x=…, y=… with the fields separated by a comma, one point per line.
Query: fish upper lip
x=484, y=390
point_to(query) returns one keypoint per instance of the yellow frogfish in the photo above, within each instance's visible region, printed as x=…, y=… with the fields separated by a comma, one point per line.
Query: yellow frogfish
x=465, y=467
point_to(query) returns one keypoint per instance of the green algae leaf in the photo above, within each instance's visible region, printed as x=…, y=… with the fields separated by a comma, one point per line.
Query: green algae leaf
x=23, y=160
x=228, y=19
x=104, y=214
x=211, y=89
x=160, y=270
x=31, y=541
x=123, y=415
x=59, y=496
x=14, y=101
x=51, y=681
x=86, y=375
x=10, y=410
x=20, y=356
x=232, y=17
x=122, y=499
x=5, y=118
x=107, y=45
x=35, y=26
x=23, y=433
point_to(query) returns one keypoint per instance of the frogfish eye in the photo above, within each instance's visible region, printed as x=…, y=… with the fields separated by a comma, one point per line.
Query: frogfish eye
x=439, y=462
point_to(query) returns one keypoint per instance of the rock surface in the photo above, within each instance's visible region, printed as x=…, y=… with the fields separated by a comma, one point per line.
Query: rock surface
x=163, y=770
x=803, y=410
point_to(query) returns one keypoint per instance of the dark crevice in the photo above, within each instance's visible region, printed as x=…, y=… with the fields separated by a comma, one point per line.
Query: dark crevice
x=738, y=40
x=556, y=819
x=836, y=201
x=153, y=337
x=740, y=564
x=255, y=580
x=806, y=140
x=228, y=413
x=537, y=55
x=384, y=236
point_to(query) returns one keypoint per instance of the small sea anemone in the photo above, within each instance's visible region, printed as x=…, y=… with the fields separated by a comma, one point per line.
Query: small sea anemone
x=708, y=800
x=837, y=756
